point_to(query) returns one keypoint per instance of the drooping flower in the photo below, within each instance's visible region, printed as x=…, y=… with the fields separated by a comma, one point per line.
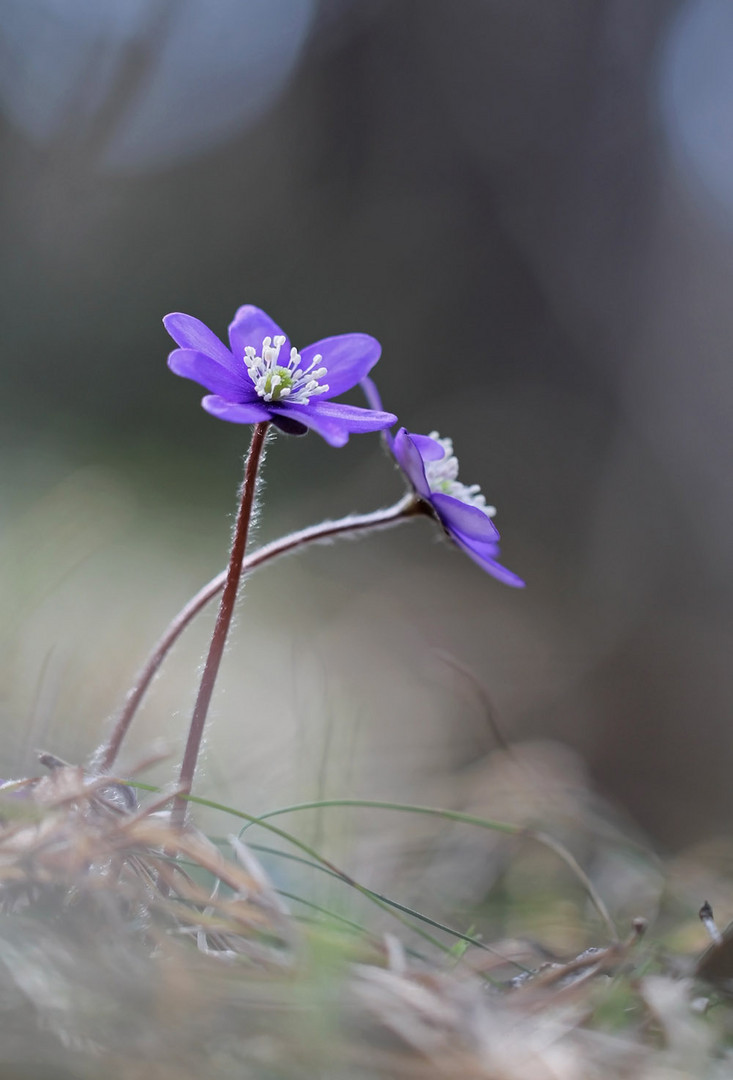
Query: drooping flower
x=262, y=377
x=431, y=467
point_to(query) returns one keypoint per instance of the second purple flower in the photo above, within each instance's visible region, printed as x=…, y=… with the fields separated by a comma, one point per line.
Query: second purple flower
x=262, y=377
x=431, y=467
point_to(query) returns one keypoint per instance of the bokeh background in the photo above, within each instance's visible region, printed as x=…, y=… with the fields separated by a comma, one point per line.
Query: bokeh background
x=531, y=205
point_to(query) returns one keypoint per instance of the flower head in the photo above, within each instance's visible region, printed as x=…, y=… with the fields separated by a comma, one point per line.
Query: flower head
x=431, y=467
x=262, y=377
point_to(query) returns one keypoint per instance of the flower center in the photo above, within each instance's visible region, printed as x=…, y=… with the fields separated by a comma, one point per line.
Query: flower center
x=442, y=477
x=275, y=381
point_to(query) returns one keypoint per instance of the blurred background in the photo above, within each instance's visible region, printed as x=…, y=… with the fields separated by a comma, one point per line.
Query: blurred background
x=531, y=206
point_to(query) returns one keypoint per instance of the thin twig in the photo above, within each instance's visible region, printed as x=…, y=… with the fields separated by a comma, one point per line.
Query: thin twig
x=351, y=525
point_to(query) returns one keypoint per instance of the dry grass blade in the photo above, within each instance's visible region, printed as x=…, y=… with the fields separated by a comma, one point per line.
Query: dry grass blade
x=71, y=835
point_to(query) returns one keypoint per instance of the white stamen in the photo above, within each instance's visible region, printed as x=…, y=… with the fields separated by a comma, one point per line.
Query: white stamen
x=274, y=380
x=442, y=477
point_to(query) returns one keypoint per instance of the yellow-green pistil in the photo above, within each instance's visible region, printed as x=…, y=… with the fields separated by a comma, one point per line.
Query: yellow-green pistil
x=274, y=381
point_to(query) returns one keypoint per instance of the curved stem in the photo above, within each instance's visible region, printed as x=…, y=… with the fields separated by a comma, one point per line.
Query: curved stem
x=352, y=524
x=223, y=621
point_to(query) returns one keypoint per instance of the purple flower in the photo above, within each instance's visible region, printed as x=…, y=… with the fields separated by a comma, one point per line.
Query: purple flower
x=261, y=377
x=430, y=465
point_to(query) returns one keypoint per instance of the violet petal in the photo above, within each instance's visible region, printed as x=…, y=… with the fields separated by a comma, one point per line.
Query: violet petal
x=191, y=333
x=484, y=555
x=429, y=449
x=409, y=460
x=335, y=432
x=190, y=364
x=357, y=419
x=251, y=326
x=346, y=357
x=460, y=517
x=246, y=413
x=334, y=421
x=374, y=400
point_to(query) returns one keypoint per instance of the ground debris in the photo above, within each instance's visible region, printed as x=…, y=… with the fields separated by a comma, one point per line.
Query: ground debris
x=132, y=949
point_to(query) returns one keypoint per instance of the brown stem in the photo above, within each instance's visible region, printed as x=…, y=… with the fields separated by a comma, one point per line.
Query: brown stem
x=407, y=507
x=223, y=620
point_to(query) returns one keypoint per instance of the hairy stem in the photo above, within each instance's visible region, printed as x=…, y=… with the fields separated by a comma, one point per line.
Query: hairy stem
x=352, y=524
x=223, y=621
